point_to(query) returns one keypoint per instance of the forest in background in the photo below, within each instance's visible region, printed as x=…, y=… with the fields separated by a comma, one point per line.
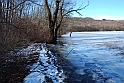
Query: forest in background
x=21, y=22
x=77, y=24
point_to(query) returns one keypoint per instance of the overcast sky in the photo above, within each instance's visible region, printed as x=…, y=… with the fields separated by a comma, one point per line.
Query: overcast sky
x=102, y=9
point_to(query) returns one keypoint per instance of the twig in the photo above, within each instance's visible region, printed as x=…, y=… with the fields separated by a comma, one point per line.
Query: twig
x=69, y=52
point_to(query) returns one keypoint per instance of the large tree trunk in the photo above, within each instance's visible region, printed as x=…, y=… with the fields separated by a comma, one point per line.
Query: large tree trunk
x=55, y=14
x=52, y=21
x=54, y=34
x=53, y=39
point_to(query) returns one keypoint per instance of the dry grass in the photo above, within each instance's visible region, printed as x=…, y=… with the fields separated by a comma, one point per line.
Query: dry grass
x=21, y=32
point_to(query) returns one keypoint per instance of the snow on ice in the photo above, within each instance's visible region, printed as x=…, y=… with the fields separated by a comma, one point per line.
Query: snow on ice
x=100, y=53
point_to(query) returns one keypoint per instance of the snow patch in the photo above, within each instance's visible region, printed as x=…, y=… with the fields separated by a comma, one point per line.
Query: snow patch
x=46, y=68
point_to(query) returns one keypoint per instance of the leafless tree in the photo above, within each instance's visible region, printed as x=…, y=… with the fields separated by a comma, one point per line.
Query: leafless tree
x=56, y=12
x=19, y=19
x=11, y=13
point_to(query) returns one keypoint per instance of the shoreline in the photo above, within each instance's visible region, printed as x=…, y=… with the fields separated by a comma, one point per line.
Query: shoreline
x=69, y=69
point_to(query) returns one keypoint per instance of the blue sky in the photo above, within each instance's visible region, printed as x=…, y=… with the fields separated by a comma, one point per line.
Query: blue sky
x=100, y=9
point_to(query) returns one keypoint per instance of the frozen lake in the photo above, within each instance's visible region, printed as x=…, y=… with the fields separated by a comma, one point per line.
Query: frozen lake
x=99, y=53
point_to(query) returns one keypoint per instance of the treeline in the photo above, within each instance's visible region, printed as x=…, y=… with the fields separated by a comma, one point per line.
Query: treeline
x=21, y=22
x=89, y=24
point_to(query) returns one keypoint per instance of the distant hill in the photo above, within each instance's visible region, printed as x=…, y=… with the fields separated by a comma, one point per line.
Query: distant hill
x=90, y=24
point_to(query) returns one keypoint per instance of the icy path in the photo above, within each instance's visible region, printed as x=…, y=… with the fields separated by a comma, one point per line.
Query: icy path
x=46, y=69
x=100, y=54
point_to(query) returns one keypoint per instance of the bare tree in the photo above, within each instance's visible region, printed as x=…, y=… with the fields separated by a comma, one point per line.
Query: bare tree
x=10, y=17
x=55, y=14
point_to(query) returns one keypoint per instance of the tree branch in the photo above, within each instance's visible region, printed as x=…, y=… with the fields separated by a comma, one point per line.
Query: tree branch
x=14, y=7
x=49, y=12
x=56, y=12
x=76, y=10
x=36, y=3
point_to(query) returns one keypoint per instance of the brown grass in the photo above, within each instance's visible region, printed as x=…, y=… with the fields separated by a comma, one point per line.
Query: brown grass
x=21, y=32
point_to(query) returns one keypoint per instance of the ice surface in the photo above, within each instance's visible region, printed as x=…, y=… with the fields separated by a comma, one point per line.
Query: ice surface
x=100, y=52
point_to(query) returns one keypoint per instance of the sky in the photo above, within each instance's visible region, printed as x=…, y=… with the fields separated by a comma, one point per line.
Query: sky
x=102, y=9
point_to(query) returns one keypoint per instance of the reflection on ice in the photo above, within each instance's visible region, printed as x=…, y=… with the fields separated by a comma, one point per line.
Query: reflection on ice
x=100, y=53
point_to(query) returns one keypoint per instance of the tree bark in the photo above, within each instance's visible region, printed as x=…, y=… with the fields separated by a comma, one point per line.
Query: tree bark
x=52, y=21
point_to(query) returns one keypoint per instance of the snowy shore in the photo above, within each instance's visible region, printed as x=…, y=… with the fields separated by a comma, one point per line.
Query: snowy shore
x=46, y=68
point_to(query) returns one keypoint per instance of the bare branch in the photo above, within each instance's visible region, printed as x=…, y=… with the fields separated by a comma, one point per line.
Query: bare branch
x=14, y=7
x=56, y=12
x=36, y=3
x=76, y=10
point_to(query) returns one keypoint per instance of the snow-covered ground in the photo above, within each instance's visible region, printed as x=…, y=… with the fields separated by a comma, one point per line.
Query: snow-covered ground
x=99, y=53
x=46, y=68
